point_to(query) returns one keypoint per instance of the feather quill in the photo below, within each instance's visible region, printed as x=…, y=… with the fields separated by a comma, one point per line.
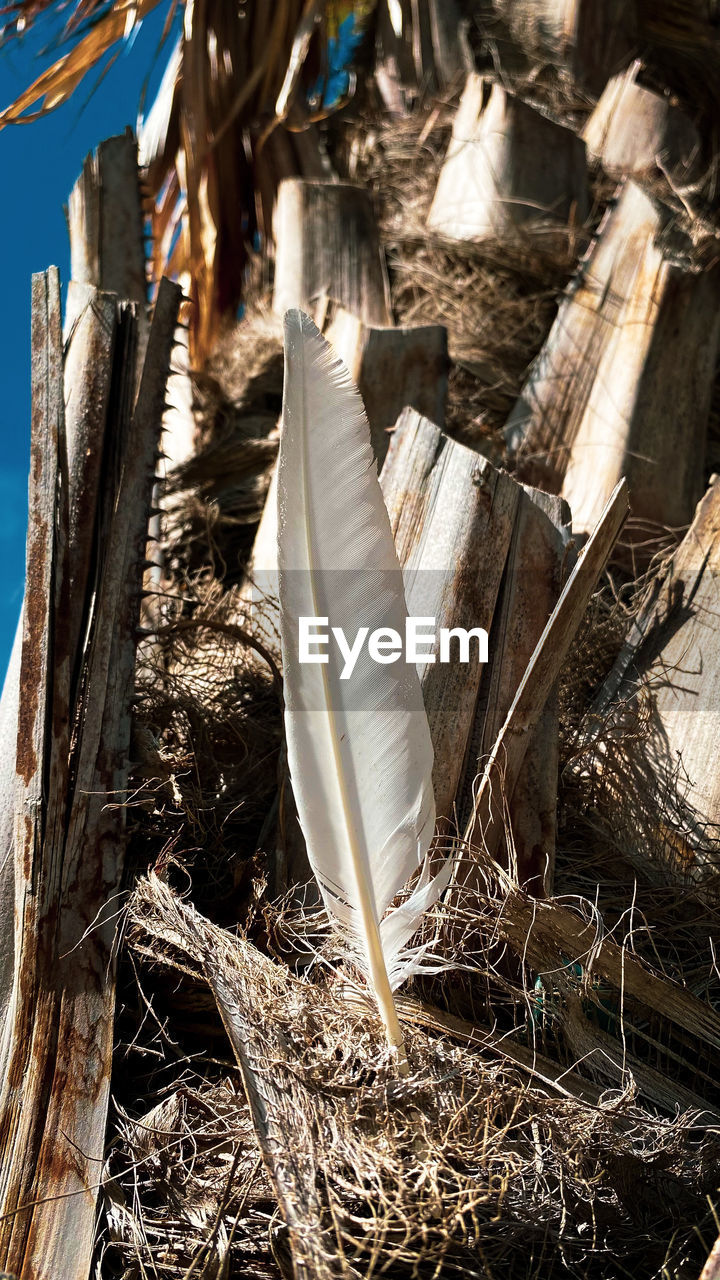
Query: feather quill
x=359, y=749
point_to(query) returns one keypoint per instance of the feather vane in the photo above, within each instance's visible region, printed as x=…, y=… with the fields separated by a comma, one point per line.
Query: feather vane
x=359, y=749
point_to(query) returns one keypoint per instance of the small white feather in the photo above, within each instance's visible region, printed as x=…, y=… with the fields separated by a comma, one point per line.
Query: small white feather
x=359, y=750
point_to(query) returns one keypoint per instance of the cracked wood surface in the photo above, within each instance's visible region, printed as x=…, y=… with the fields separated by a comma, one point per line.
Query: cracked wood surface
x=70, y=843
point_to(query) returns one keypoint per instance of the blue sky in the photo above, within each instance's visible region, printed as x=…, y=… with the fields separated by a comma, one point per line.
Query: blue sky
x=38, y=166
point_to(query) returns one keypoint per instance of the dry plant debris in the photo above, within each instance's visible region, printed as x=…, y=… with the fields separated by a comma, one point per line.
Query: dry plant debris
x=562, y=1117
x=472, y=1166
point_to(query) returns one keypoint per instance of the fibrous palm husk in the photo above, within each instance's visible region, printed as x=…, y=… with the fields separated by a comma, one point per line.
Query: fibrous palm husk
x=477, y=1162
x=478, y=550
x=665, y=683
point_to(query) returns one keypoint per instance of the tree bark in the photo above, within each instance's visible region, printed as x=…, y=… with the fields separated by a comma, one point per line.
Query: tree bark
x=539, y=553
x=452, y=516
x=591, y=38
x=624, y=382
x=505, y=761
x=9, y=706
x=105, y=222
x=419, y=48
x=647, y=414
x=543, y=424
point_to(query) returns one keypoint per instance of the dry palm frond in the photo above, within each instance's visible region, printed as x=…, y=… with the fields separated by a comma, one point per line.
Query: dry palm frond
x=235, y=114
x=215, y=144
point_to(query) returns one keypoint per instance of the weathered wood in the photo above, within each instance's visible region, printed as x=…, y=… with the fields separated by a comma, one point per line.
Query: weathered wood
x=41, y=750
x=545, y=421
x=105, y=222
x=70, y=842
x=531, y=585
x=506, y=758
x=666, y=803
x=89, y=355
x=624, y=383
x=632, y=128
x=88, y=374
x=419, y=49
x=328, y=248
x=452, y=517
x=9, y=706
x=393, y=368
x=543, y=424
x=592, y=39
x=647, y=413
x=508, y=167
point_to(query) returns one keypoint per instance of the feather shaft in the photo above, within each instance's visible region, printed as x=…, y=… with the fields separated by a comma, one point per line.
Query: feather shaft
x=359, y=748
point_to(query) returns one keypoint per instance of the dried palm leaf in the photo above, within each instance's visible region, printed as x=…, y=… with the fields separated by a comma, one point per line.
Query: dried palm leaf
x=212, y=160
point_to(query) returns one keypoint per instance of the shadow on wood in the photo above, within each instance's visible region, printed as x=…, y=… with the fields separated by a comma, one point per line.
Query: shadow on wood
x=624, y=382
x=633, y=129
x=328, y=248
x=507, y=167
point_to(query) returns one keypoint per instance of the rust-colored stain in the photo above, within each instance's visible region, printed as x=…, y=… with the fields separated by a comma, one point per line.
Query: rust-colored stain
x=28, y=847
x=34, y=626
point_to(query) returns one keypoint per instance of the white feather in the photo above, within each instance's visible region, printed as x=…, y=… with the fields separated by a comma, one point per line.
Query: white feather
x=359, y=750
